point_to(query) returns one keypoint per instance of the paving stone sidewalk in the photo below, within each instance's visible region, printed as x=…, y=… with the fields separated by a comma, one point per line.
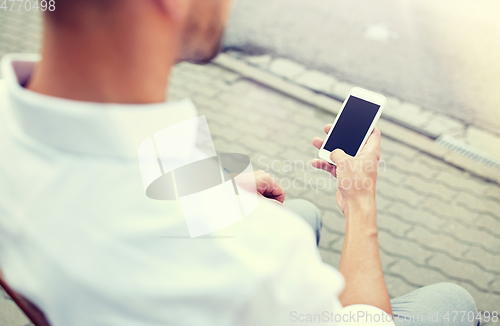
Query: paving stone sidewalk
x=482, y=143
x=436, y=223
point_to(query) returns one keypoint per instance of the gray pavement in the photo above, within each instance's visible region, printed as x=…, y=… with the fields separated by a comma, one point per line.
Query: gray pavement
x=437, y=223
x=441, y=55
x=477, y=144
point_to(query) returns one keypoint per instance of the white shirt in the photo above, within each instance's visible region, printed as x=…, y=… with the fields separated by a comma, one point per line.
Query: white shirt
x=81, y=240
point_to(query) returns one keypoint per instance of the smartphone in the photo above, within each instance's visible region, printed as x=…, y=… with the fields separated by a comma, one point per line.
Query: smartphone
x=354, y=123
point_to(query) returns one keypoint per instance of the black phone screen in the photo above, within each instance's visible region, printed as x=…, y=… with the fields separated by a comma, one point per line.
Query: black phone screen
x=352, y=126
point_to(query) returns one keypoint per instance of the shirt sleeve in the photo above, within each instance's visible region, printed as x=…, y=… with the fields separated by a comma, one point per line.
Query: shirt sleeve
x=295, y=283
x=299, y=288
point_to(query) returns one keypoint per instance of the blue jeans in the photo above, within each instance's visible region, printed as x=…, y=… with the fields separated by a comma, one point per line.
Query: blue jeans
x=432, y=305
x=309, y=212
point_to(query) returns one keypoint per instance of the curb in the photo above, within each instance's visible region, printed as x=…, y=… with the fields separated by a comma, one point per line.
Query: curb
x=476, y=143
x=407, y=135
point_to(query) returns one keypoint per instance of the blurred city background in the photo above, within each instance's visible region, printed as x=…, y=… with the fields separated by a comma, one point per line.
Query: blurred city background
x=288, y=63
x=442, y=55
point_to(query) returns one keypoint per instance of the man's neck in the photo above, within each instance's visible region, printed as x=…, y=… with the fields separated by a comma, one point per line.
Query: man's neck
x=95, y=67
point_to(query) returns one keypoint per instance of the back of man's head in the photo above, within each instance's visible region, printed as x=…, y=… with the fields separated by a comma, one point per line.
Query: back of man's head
x=198, y=24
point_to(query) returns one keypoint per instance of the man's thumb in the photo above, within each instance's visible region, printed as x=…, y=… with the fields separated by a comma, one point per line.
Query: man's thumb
x=337, y=155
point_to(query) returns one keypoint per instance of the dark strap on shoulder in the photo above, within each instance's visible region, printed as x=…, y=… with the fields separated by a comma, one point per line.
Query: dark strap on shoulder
x=31, y=311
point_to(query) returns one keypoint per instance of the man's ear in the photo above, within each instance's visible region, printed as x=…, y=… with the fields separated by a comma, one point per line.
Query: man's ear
x=176, y=9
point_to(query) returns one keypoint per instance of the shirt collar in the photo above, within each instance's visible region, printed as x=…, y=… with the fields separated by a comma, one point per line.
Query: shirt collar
x=102, y=129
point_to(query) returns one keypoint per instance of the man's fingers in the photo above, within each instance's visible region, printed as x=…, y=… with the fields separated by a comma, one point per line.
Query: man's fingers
x=338, y=155
x=270, y=199
x=324, y=165
x=270, y=188
x=317, y=142
x=277, y=192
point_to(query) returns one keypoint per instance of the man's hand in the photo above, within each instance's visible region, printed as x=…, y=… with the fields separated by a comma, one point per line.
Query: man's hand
x=360, y=259
x=356, y=176
x=266, y=186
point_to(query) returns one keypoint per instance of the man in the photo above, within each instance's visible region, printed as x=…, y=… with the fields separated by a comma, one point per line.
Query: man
x=81, y=240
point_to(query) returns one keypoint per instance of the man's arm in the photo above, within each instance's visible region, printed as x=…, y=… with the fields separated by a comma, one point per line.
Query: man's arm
x=360, y=260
